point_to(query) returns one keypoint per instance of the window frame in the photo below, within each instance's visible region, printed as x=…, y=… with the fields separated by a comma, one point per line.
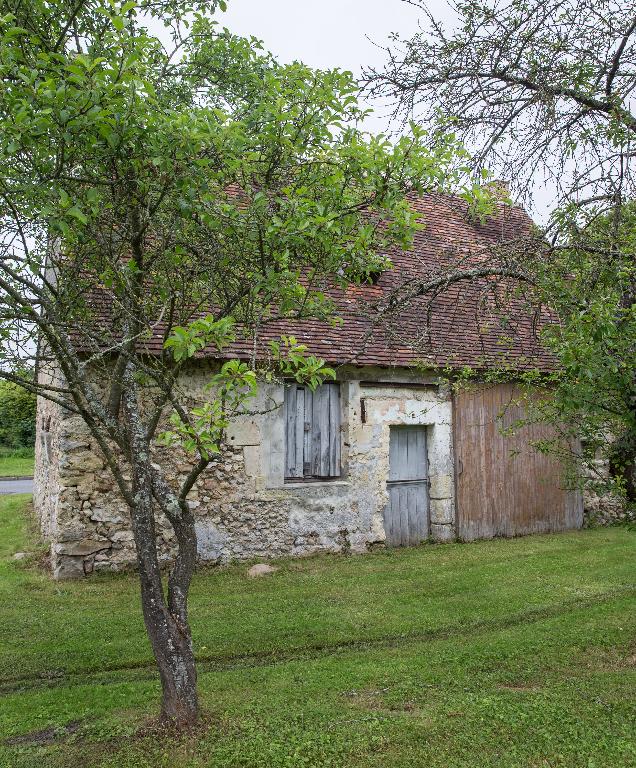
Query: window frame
x=315, y=459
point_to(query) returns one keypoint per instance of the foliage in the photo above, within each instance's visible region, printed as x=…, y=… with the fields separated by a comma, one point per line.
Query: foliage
x=18, y=453
x=595, y=340
x=16, y=462
x=521, y=645
x=546, y=87
x=160, y=199
x=251, y=175
x=17, y=416
x=199, y=334
x=294, y=362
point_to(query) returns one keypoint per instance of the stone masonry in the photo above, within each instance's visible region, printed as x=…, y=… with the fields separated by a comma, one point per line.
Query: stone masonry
x=243, y=506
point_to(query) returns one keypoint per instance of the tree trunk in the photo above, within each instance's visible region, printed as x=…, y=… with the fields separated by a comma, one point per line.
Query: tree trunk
x=172, y=648
x=168, y=631
x=170, y=638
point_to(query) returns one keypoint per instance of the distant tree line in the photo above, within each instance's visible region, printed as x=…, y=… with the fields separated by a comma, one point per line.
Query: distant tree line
x=17, y=416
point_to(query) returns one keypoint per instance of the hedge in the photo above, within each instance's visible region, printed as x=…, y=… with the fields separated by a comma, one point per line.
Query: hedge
x=17, y=416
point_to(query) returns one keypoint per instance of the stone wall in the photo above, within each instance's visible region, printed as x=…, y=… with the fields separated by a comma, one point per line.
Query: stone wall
x=604, y=509
x=244, y=508
x=49, y=454
x=369, y=447
x=47, y=462
x=599, y=506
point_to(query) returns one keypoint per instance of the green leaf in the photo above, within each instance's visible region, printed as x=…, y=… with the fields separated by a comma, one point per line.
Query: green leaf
x=77, y=214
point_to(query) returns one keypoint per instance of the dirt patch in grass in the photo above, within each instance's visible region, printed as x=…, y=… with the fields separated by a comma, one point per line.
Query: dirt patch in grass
x=159, y=729
x=44, y=737
x=374, y=700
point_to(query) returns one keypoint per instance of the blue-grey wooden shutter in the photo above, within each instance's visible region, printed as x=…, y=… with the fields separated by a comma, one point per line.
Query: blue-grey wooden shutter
x=334, y=428
x=294, y=430
x=325, y=431
x=312, y=431
x=307, y=417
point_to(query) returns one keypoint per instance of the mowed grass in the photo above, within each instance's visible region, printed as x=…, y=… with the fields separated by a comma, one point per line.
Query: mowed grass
x=505, y=653
x=16, y=462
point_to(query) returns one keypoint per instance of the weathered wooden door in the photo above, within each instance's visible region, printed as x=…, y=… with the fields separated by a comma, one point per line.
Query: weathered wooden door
x=406, y=516
x=505, y=487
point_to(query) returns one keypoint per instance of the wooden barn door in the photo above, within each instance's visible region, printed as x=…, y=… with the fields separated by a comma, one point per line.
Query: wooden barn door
x=406, y=516
x=504, y=486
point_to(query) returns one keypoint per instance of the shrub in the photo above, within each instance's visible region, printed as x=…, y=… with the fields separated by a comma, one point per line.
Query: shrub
x=24, y=452
x=17, y=416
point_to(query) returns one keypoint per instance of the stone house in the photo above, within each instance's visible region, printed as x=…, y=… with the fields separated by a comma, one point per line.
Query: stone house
x=387, y=455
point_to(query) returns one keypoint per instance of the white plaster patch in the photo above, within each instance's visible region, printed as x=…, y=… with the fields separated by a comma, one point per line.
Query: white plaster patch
x=243, y=431
x=441, y=511
x=210, y=541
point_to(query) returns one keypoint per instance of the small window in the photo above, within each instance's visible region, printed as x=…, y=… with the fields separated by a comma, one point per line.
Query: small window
x=312, y=432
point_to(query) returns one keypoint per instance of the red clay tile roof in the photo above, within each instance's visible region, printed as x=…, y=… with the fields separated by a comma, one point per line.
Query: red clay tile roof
x=457, y=330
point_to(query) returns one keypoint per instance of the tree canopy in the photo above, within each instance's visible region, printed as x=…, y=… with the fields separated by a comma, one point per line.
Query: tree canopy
x=17, y=416
x=178, y=194
x=543, y=93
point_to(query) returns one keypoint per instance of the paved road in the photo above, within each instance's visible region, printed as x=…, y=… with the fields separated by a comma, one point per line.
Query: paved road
x=16, y=486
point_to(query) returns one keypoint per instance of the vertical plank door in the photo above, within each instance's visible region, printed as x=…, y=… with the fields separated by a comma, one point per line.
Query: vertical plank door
x=406, y=516
x=505, y=486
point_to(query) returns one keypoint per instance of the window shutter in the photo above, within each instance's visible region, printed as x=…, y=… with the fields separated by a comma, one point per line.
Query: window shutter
x=307, y=432
x=294, y=435
x=325, y=431
x=334, y=430
x=312, y=431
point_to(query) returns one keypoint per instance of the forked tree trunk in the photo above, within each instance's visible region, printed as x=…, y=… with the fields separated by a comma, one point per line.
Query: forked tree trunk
x=166, y=621
x=170, y=639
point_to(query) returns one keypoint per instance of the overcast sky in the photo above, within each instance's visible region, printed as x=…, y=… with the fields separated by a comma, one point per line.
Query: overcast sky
x=336, y=33
x=330, y=33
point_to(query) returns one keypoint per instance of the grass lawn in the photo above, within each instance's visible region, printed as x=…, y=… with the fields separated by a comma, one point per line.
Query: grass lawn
x=508, y=653
x=18, y=463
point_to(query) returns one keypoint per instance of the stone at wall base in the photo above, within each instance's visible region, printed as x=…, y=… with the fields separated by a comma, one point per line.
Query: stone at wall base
x=442, y=512
x=604, y=509
x=68, y=568
x=82, y=547
x=442, y=533
x=261, y=569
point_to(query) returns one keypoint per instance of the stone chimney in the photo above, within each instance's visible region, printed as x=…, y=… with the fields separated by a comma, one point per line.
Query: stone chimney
x=499, y=188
